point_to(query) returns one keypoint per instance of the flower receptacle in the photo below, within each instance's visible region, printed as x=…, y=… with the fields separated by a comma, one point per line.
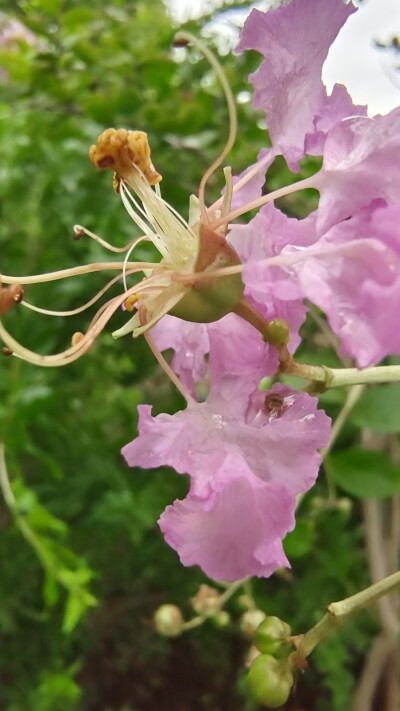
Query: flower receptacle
x=211, y=298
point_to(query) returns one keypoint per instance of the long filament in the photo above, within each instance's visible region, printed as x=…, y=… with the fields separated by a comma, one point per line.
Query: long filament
x=188, y=37
x=79, y=309
x=167, y=368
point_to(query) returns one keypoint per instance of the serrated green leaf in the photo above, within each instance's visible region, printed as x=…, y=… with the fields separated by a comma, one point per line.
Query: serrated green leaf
x=363, y=473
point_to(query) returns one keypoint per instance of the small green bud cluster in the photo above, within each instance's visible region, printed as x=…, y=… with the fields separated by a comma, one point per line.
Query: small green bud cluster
x=270, y=678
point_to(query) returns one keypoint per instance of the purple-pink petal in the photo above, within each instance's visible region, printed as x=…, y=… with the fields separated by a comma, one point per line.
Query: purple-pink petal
x=294, y=40
x=237, y=530
x=361, y=164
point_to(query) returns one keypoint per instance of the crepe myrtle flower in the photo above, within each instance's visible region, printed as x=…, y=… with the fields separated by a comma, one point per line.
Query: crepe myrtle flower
x=238, y=448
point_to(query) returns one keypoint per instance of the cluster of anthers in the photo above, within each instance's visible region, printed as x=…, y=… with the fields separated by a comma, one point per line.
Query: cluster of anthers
x=198, y=277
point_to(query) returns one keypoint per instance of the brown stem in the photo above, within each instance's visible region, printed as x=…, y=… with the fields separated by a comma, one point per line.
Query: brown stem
x=250, y=314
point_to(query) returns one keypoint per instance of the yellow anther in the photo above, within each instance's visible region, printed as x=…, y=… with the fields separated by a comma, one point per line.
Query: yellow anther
x=76, y=338
x=131, y=301
x=116, y=183
x=119, y=149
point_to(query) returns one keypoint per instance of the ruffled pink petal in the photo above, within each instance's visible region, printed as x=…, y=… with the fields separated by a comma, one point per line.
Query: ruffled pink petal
x=277, y=446
x=237, y=348
x=237, y=530
x=294, y=40
x=190, y=343
x=272, y=290
x=357, y=282
x=361, y=159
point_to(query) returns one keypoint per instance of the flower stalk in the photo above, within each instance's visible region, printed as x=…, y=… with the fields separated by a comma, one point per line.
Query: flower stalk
x=339, y=612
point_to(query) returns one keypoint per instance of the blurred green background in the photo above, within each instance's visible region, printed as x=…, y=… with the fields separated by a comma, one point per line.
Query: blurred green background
x=79, y=590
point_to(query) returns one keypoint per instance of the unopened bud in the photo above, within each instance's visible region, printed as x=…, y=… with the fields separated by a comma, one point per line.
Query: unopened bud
x=6, y=351
x=277, y=333
x=221, y=619
x=206, y=602
x=250, y=621
x=345, y=504
x=270, y=681
x=168, y=621
x=271, y=637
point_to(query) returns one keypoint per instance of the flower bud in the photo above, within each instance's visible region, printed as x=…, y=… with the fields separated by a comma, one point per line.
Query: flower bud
x=250, y=621
x=269, y=681
x=221, y=619
x=277, y=333
x=206, y=602
x=168, y=621
x=271, y=637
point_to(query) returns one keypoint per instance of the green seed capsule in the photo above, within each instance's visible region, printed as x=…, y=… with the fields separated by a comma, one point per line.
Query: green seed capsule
x=271, y=637
x=269, y=681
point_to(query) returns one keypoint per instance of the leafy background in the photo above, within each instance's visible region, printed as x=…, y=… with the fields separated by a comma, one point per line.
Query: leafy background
x=83, y=564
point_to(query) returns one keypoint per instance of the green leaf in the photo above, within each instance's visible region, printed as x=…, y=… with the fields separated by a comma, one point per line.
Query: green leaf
x=378, y=409
x=51, y=591
x=77, y=605
x=364, y=473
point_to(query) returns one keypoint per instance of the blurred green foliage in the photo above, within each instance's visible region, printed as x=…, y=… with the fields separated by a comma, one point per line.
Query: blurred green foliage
x=83, y=565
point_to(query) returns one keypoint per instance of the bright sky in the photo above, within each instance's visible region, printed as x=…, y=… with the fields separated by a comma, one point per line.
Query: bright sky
x=353, y=60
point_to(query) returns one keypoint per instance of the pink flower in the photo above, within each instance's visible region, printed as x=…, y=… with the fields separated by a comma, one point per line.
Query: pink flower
x=294, y=40
x=238, y=448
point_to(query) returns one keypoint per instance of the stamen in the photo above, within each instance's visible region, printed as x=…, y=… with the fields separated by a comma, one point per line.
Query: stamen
x=83, y=269
x=242, y=182
x=167, y=368
x=118, y=149
x=79, y=309
x=10, y=297
x=131, y=302
x=126, y=260
x=309, y=182
x=80, y=231
x=209, y=55
x=77, y=338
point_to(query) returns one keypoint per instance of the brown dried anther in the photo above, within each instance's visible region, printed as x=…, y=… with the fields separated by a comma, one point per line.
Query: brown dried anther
x=120, y=149
x=10, y=296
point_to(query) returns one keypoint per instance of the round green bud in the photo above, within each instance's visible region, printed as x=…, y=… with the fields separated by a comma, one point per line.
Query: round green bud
x=168, y=621
x=269, y=681
x=221, y=619
x=271, y=637
x=277, y=333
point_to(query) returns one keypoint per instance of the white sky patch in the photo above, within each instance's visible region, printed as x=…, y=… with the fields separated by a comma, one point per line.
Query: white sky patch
x=368, y=73
x=353, y=60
